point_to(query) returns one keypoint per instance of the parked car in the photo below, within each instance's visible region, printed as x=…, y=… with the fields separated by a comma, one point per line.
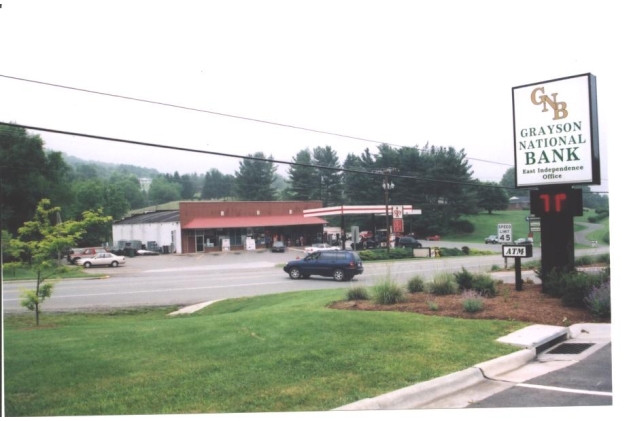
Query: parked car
x=342, y=265
x=521, y=241
x=409, y=242
x=278, y=246
x=101, y=259
x=364, y=244
x=78, y=253
x=491, y=239
x=320, y=247
x=143, y=252
x=433, y=238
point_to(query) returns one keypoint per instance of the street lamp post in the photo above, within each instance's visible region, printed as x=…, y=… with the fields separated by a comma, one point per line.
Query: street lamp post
x=387, y=186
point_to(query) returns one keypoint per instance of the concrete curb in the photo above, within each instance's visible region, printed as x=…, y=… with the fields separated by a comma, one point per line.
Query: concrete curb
x=192, y=309
x=431, y=390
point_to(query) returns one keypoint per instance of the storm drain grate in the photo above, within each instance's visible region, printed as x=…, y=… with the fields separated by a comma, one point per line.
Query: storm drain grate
x=570, y=349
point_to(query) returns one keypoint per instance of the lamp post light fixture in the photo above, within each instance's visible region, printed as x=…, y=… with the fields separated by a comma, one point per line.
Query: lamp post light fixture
x=387, y=186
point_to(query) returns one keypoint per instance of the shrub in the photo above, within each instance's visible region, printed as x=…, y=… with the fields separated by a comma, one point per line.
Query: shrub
x=484, y=285
x=584, y=261
x=463, y=226
x=465, y=250
x=416, y=284
x=573, y=286
x=445, y=252
x=464, y=278
x=388, y=292
x=433, y=305
x=598, y=300
x=357, y=293
x=443, y=284
x=382, y=254
x=472, y=301
x=480, y=282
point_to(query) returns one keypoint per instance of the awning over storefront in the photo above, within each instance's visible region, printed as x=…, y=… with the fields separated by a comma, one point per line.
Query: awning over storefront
x=252, y=221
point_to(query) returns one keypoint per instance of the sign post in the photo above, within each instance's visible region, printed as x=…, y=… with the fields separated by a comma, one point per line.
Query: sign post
x=517, y=252
x=556, y=140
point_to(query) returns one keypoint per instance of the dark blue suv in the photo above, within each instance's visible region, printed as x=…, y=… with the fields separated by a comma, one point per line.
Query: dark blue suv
x=342, y=265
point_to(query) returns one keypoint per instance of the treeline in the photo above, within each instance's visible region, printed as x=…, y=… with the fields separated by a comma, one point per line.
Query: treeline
x=437, y=180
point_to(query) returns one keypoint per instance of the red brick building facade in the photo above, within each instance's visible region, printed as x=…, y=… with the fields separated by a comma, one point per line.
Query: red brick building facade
x=206, y=226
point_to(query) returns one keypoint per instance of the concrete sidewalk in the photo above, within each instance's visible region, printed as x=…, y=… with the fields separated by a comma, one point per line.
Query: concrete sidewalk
x=459, y=389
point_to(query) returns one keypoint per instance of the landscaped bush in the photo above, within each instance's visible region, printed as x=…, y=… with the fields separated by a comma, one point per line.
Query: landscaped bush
x=472, y=301
x=357, y=293
x=445, y=252
x=484, y=285
x=480, y=282
x=416, y=284
x=382, y=254
x=476, y=252
x=443, y=284
x=464, y=278
x=598, y=300
x=465, y=250
x=573, y=286
x=388, y=292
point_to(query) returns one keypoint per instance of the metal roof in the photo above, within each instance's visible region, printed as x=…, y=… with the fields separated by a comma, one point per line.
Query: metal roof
x=151, y=218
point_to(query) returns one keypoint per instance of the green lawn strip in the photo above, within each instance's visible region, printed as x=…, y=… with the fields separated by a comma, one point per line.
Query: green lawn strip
x=600, y=234
x=277, y=353
x=64, y=272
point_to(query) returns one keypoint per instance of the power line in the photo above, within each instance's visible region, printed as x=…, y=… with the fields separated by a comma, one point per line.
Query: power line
x=253, y=158
x=182, y=107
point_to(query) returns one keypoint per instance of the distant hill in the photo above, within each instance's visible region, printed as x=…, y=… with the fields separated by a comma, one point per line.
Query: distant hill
x=105, y=169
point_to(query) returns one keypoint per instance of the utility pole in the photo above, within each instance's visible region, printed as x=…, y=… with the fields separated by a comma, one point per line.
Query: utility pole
x=387, y=186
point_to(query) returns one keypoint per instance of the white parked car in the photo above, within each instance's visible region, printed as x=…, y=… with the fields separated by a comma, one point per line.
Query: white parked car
x=101, y=259
x=320, y=247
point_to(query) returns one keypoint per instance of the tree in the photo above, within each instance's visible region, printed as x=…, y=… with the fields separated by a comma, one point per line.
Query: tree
x=163, y=191
x=508, y=181
x=43, y=238
x=254, y=179
x=129, y=184
x=359, y=188
x=217, y=185
x=302, y=177
x=491, y=196
x=27, y=174
x=188, y=189
x=329, y=180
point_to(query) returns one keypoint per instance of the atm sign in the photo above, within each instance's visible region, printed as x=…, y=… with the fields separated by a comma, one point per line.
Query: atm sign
x=517, y=251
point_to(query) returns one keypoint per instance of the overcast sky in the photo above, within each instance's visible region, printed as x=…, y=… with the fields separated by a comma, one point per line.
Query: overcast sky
x=403, y=73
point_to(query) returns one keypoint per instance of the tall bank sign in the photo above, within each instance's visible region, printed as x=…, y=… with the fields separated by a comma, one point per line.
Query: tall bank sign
x=556, y=132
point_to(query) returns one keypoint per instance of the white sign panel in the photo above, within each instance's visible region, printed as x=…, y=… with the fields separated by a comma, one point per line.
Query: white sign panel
x=504, y=233
x=517, y=251
x=556, y=132
x=397, y=212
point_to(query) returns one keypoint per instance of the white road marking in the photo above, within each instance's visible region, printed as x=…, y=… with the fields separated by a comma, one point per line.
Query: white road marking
x=158, y=290
x=241, y=266
x=562, y=389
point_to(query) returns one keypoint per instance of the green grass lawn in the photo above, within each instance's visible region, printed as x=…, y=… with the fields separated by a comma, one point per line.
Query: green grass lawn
x=486, y=224
x=63, y=272
x=274, y=353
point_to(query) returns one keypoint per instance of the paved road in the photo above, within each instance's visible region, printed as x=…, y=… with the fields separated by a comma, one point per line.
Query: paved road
x=190, y=279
